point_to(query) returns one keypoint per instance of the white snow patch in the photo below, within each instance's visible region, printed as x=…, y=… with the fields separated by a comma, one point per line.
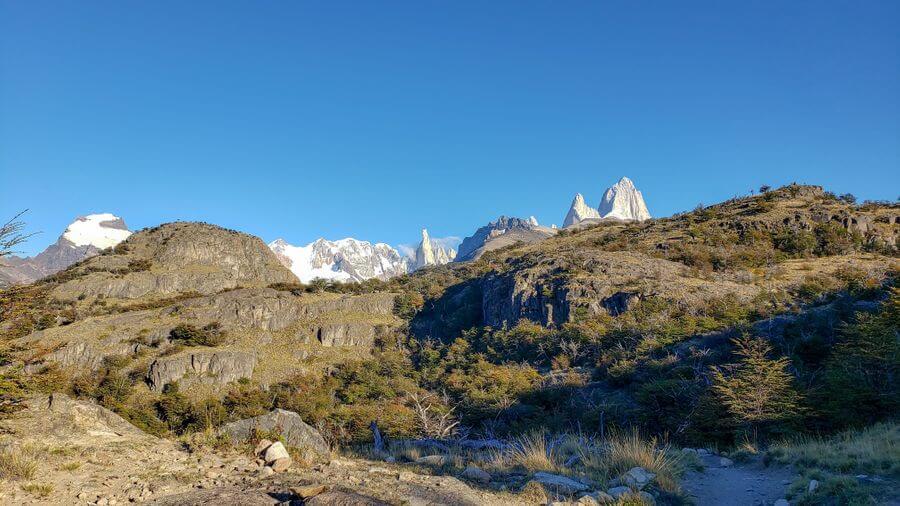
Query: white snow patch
x=91, y=230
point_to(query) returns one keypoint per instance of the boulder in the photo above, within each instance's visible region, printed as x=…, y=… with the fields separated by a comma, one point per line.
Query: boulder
x=726, y=462
x=475, y=473
x=617, y=492
x=281, y=465
x=274, y=452
x=286, y=423
x=813, y=485
x=432, y=460
x=560, y=484
x=638, y=477
x=305, y=492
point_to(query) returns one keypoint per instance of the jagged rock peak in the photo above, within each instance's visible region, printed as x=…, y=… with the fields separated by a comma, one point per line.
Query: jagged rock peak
x=430, y=253
x=342, y=260
x=579, y=211
x=471, y=246
x=624, y=201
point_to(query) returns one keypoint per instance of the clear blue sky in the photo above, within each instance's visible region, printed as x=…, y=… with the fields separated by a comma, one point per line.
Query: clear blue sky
x=374, y=119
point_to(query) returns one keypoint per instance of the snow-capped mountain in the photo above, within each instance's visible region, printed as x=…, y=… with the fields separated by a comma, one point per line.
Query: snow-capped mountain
x=622, y=201
x=430, y=252
x=579, y=211
x=83, y=238
x=344, y=260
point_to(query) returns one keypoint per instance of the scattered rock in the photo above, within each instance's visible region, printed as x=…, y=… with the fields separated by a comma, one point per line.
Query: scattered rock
x=266, y=472
x=336, y=498
x=281, y=465
x=813, y=485
x=587, y=500
x=432, y=460
x=274, y=452
x=648, y=498
x=262, y=446
x=638, y=477
x=475, y=473
x=726, y=462
x=617, y=492
x=561, y=484
x=308, y=491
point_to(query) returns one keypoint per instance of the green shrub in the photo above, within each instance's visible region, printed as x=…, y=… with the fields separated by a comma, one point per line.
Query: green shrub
x=210, y=334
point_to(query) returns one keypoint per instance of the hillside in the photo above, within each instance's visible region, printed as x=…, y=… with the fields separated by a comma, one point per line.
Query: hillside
x=597, y=329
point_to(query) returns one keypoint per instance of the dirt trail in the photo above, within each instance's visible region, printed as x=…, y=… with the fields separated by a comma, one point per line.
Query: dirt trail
x=742, y=484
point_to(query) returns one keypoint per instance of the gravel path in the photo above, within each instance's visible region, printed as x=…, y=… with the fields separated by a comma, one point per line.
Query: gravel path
x=738, y=485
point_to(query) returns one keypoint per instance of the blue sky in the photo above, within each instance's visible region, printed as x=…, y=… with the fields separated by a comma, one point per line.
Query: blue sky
x=375, y=119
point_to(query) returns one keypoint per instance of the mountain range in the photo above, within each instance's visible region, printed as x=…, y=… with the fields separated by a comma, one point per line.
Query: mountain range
x=344, y=260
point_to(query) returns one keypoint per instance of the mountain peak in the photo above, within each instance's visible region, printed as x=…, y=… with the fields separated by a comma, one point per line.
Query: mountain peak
x=432, y=253
x=624, y=201
x=102, y=230
x=346, y=259
x=579, y=211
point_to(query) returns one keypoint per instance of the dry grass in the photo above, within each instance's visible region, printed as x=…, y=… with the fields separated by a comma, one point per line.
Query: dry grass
x=531, y=452
x=40, y=490
x=874, y=450
x=17, y=463
x=70, y=466
x=623, y=451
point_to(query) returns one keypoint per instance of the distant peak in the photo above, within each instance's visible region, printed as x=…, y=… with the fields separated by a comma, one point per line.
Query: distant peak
x=100, y=230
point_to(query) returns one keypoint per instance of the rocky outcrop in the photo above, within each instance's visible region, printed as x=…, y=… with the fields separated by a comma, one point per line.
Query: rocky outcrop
x=344, y=260
x=176, y=258
x=346, y=334
x=207, y=367
x=431, y=253
x=270, y=309
x=288, y=424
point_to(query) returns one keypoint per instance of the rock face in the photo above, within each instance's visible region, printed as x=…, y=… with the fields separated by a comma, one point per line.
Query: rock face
x=205, y=367
x=288, y=424
x=430, y=253
x=346, y=334
x=624, y=201
x=83, y=238
x=343, y=260
x=501, y=232
x=579, y=211
x=176, y=258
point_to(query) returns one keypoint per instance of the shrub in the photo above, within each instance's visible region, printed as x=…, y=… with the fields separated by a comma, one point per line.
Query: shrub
x=861, y=375
x=210, y=334
x=757, y=391
x=17, y=463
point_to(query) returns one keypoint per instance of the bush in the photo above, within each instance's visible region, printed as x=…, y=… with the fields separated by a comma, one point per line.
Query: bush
x=210, y=334
x=757, y=391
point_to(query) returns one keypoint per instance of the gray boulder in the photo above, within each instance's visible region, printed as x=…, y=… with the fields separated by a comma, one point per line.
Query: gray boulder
x=288, y=424
x=560, y=484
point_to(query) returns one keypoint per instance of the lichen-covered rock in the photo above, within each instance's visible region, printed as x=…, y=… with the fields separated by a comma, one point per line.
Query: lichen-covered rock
x=288, y=424
x=346, y=334
x=207, y=367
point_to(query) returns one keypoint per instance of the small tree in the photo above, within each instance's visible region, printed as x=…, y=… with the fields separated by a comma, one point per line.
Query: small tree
x=11, y=235
x=757, y=391
x=764, y=188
